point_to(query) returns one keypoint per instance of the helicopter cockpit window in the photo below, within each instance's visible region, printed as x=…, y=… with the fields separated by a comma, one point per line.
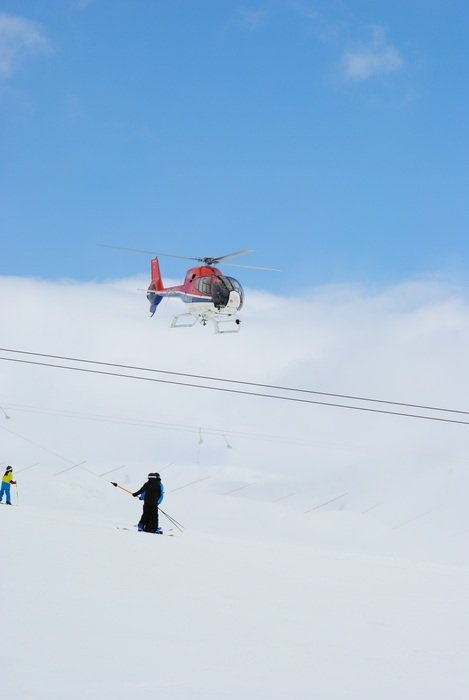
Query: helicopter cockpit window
x=234, y=285
x=227, y=283
x=203, y=285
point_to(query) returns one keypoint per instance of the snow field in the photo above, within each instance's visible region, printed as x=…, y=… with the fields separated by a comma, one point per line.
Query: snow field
x=254, y=600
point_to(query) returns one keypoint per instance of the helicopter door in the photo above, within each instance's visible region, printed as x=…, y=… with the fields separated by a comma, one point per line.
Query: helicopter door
x=220, y=294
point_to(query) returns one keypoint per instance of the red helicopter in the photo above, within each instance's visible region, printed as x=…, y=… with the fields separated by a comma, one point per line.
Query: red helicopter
x=208, y=294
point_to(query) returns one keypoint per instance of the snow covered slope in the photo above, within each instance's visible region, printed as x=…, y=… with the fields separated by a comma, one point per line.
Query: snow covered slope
x=256, y=599
x=325, y=551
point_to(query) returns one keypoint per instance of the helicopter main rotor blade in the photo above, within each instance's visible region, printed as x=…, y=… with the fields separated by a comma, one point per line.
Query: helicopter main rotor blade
x=207, y=260
x=148, y=252
x=228, y=255
x=252, y=267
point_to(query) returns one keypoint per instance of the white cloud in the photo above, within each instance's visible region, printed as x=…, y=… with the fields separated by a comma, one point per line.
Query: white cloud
x=19, y=38
x=375, y=57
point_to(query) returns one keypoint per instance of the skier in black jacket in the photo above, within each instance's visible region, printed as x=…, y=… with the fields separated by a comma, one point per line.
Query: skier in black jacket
x=152, y=494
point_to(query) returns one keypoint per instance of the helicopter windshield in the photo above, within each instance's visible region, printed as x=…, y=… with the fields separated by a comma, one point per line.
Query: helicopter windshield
x=233, y=285
x=236, y=285
x=219, y=288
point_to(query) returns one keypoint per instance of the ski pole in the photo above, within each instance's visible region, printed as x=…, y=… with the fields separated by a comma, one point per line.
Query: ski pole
x=170, y=517
x=172, y=520
x=17, y=495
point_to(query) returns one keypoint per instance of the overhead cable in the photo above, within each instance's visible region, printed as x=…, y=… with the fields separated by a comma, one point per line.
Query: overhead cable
x=259, y=385
x=240, y=392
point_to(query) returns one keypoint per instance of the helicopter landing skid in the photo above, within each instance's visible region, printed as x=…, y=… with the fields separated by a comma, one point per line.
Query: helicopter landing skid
x=230, y=325
x=191, y=321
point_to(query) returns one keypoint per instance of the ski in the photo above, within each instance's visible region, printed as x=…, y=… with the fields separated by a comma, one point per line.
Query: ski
x=168, y=533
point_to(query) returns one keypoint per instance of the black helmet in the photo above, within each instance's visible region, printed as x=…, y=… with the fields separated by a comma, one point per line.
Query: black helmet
x=154, y=475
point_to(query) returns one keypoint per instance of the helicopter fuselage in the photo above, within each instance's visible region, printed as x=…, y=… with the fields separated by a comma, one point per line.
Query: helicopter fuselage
x=207, y=293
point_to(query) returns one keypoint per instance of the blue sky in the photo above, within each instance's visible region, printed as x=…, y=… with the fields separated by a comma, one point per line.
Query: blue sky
x=331, y=137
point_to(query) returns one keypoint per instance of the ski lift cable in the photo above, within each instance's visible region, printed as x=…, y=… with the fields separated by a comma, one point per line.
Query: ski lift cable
x=36, y=444
x=246, y=393
x=235, y=381
x=178, y=427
